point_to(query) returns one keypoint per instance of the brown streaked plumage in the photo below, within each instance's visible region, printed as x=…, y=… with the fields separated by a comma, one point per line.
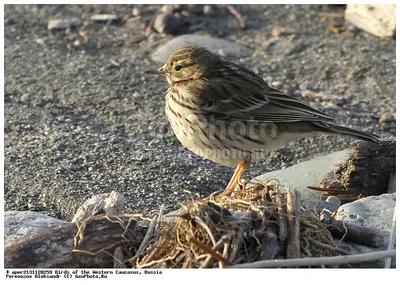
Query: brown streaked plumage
x=227, y=113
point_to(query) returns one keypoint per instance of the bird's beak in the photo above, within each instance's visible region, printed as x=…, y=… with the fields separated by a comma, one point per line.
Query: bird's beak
x=160, y=71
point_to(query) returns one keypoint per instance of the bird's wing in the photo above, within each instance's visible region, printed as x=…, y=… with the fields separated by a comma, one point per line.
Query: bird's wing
x=245, y=96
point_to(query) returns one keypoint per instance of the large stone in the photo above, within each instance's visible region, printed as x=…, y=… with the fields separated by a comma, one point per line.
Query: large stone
x=379, y=20
x=166, y=23
x=305, y=174
x=20, y=224
x=373, y=212
x=215, y=45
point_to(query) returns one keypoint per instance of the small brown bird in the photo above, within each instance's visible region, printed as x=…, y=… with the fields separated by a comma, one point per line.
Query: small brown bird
x=229, y=114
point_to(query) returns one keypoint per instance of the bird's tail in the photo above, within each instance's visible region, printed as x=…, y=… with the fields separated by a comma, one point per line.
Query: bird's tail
x=331, y=128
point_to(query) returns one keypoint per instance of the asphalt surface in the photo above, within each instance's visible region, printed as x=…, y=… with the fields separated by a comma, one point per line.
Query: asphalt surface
x=82, y=119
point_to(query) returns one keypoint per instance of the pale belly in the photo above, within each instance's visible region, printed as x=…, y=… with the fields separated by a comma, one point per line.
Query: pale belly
x=204, y=139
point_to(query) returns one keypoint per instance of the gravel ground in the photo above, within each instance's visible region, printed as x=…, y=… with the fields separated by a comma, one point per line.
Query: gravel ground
x=85, y=119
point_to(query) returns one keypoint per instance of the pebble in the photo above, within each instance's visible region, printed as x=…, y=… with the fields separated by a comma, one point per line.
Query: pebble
x=168, y=8
x=387, y=118
x=109, y=203
x=333, y=200
x=62, y=24
x=104, y=17
x=276, y=84
x=321, y=96
x=231, y=49
x=61, y=146
x=208, y=10
x=166, y=23
x=40, y=42
x=278, y=31
x=388, y=121
x=135, y=12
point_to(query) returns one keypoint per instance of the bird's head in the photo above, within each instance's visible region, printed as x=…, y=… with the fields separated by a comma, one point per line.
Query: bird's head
x=189, y=63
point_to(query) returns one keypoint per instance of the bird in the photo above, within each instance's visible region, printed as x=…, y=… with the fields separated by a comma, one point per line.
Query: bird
x=228, y=114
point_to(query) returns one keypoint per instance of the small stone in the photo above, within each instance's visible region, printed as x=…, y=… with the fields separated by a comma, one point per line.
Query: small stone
x=387, y=118
x=61, y=146
x=333, y=200
x=62, y=24
x=276, y=84
x=168, y=8
x=321, y=96
x=308, y=94
x=297, y=93
x=40, y=42
x=388, y=121
x=104, y=17
x=109, y=203
x=208, y=10
x=336, y=27
x=184, y=13
x=166, y=23
x=135, y=12
x=278, y=31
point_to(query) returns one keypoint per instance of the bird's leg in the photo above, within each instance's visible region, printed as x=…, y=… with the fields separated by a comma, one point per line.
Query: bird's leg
x=235, y=178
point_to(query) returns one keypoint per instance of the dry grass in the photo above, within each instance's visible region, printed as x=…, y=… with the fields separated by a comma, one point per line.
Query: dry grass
x=223, y=231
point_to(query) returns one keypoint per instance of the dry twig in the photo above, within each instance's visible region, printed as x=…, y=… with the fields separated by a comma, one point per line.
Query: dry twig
x=210, y=251
x=239, y=17
x=149, y=27
x=317, y=261
x=293, y=221
x=282, y=217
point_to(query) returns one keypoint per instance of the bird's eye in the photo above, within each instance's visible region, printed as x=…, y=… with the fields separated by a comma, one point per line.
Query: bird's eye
x=178, y=67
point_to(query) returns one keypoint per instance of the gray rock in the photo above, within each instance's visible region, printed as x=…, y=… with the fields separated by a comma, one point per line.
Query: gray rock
x=333, y=200
x=305, y=174
x=109, y=203
x=19, y=224
x=373, y=212
x=229, y=48
x=166, y=23
x=104, y=17
x=62, y=24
